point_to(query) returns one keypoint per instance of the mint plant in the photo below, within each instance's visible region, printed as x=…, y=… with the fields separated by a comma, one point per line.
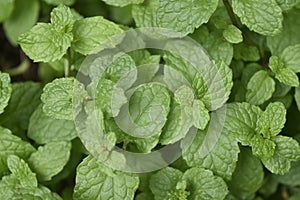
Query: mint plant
x=149, y=99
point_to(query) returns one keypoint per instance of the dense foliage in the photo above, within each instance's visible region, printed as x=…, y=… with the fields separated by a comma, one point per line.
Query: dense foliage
x=247, y=81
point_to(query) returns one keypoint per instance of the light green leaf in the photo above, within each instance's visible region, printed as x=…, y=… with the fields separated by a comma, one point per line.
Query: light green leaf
x=58, y=2
x=24, y=100
x=43, y=129
x=6, y=8
x=287, y=4
x=263, y=17
x=272, y=120
x=94, y=180
x=200, y=114
x=291, y=178
x=6, y=89
x=122, y=3
x=203, y=184
x=283, y=74
x=40, y=193
x=21, y=171
x=241, y=121
x=232, y=34
x=262, y=147
x=246, y=52
x=12, y=145
x=287, y=150
x=288, y=36
x=94, y=34
x=182, y=18
x=57, y=97
x=50, y=159
x=248, y=176
x=173, y=78
x=62, y=19
x=297, y=97
x=221, y=159
x=291, y=58
x=260, y=88
x=23, y=17
x=163, y=183
x=109, y=98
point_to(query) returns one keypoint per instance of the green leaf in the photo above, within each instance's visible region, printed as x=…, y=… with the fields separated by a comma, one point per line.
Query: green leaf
x=200, y=114
x=36, y=193
x=297, y=97
x=291, y=178
x=262, y=147
x=287, y=150
x=94, y=180
x=57, y=97
x=6, y=8
x=21, y=171
x=287, y=4
x=232, y=34
x=291, y=58
x=263, y=17
x=241, y=121
x=58, y=2
x=247, y=177
x=283, y=74
x=43, y=129
x=221, y=159
x=260, y=88
x=94, y=34
x=24, y=99
x=182, y=18
x=50, y=159
x=12, y=145
x=122, y=3
x=288, y=36
x=164, y=182
x=23, y=17
x=272, y=120
x=203, y=184
x=62, y=19
x=246, y=52
x=6, y=89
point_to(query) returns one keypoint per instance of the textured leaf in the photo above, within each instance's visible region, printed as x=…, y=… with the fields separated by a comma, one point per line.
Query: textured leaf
x=164, y=182
x=248, y=176
x=6, y=8
x=246, y=52
x=62, y=19
x=200, y=114
x=261, y=147
x=94, y=34
x=5, y=93
x=58, y=2
x=57, y=97
x=96, y=181
x=272, y=120
x=260, y=88
x=289, y=35
x=50, y=159
x=287, y=4
x=297, y=97
x=36, y=193
x=122, y=3
x=241, y=121
x=24, y=99
x=43, y=129
x=232, y=34
x=283, y=74
x=263, y=17
x=23, y=17
x=291, y=178
x=291, y=58
x=221, y=159
x=181, y=17
x=202, y=184
x=287, y=150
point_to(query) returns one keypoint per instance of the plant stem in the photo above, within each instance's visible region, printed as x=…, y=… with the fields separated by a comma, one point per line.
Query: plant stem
x=68, y=67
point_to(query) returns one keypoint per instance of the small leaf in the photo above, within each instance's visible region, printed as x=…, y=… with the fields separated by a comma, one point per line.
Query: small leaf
x=263, y=17
x=94, y=34
x=272, y=120
x=94, y=180
x=246, y=52
x=58, y=2
x=260, y=88
x=232, y=34
x=291, y=58
x=261, y=147
x=6, y=90
x=122, y=3
x=50, y=159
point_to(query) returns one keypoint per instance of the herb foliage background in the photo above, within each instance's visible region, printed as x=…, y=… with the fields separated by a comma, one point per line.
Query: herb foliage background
x=256, y=47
